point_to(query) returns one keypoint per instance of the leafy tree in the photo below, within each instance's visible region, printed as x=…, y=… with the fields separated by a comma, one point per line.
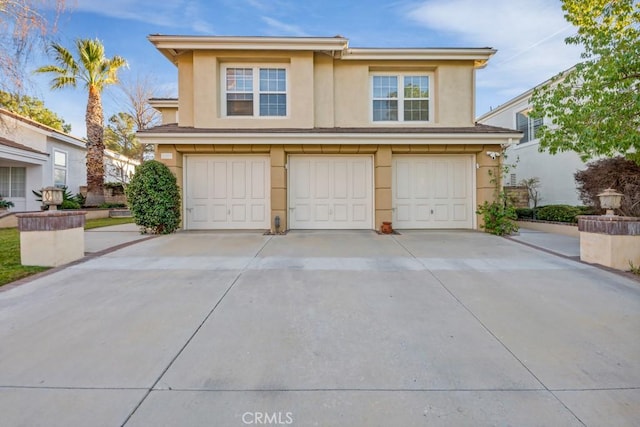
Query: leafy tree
x=154, y=198
x=594, y=108
x=34, y=109
x=97, y=72
x=120, y=136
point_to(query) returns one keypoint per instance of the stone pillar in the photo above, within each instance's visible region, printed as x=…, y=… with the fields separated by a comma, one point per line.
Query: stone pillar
x=278, y=159
x=51, y=239
x=612, y=241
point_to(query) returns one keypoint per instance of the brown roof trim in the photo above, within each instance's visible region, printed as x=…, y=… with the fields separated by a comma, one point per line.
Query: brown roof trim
x=8, y=143
x=173, y=128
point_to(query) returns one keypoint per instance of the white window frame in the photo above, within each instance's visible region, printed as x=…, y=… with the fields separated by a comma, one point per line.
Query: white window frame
x=532, y=128
x=400, y=98
x=11, y=194
x=256, y=89
x=65, y=168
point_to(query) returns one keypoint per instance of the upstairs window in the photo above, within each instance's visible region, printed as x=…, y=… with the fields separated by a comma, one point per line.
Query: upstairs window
x=528, y=126
x=256, y=91
x=401, y=98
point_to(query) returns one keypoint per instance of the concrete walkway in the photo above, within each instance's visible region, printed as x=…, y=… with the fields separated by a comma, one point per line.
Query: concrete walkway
x=99, y=239
x=322, y=328
x=556, y=243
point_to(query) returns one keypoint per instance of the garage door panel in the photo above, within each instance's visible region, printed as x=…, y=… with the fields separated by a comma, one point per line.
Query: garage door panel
x=219, y=213
x=200, y=172
x=340, y=180
x=341, y=212
x=219, y=183
x=340, y=193
x=360, y=213
x=321, y=180
x=200, y=213
x=460, y=212
x=432, y=191
x=227, y=192
x=423, y=212
x=258, y=191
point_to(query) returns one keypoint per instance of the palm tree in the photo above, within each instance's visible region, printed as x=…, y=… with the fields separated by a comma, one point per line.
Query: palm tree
x=96, y=71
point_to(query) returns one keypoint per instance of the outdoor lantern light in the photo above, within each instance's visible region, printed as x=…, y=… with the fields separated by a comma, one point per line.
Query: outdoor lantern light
x=276, y=221
x=52, y=196
x=610, y=199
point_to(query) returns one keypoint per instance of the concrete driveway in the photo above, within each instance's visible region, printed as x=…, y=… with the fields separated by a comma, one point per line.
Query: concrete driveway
x=322, y=328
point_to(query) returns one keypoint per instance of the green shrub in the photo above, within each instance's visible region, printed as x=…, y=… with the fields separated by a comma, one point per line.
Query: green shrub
x=112, y=205
x=69, y=204
x=499, y=216
x=154, y=198
x=559, y=213
x=524, y=213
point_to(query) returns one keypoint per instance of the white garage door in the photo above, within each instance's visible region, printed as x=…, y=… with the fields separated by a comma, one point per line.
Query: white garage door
x=227, y=192
x=433, y=191
x=330, y=192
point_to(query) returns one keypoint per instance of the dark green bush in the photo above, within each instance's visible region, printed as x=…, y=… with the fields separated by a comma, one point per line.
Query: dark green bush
x=154, y=198
x=69, y=204
x=559, y=213
x=524, y=213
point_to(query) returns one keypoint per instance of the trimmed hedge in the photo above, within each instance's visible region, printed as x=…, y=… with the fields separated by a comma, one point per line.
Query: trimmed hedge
x=559, y=213
x=154, y=198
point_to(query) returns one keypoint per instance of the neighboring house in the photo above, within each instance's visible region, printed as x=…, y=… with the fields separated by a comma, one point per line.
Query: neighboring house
x=556, y=172
x=117, y=167
x=33, y=156
x=324, y=136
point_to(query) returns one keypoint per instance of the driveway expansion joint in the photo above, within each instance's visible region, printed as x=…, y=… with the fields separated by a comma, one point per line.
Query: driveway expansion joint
x=186, y=344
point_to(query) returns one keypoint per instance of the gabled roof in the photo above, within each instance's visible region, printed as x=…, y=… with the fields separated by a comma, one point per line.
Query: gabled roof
x=171, y=46
x=48, y=130
x=9, y=143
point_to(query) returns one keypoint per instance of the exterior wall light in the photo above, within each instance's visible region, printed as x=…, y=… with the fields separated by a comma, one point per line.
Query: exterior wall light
x=52, y=197
x=610, y=200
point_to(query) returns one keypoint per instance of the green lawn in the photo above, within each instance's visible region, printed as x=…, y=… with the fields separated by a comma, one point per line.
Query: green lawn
x=10, y=268
x=104, y=222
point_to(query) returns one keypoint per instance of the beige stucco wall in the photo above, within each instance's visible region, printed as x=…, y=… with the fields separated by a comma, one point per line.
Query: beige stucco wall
x=610, y=251
x=323, y=91
x=383, y=154
x=51, y=248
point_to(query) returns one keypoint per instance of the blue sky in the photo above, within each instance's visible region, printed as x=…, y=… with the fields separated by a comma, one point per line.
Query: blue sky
x=529, y=36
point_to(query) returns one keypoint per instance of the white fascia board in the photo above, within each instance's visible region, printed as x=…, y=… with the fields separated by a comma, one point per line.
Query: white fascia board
x=163, y=103
x=163, y=42
x=72, y=140
x=18, y=155
x=324, y=138
x=479, y=55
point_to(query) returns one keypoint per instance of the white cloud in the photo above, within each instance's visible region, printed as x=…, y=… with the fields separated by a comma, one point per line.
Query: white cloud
x=529, y=36
x=283, y=29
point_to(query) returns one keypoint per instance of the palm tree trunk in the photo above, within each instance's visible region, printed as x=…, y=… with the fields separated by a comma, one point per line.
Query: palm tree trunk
x=95, y=149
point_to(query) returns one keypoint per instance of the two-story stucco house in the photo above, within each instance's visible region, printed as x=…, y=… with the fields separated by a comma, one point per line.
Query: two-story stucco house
x=324, y=136
x=556, y=172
